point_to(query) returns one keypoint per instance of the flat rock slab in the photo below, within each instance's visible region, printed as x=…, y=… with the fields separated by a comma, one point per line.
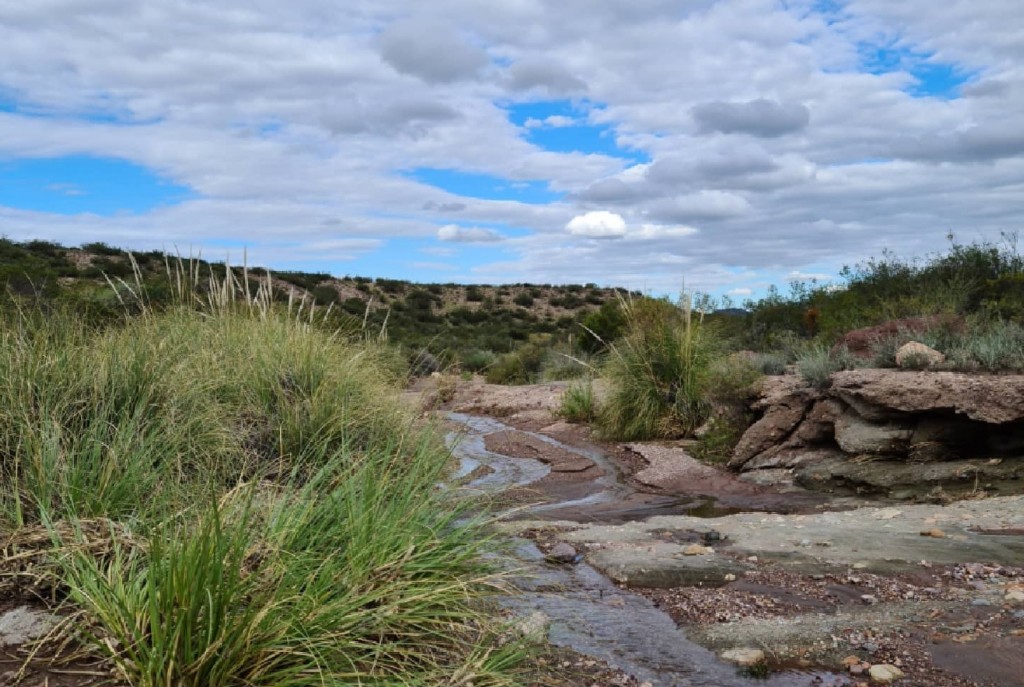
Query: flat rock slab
x=664, y=565
x=875, y=539
x=994, y=399
x=24, y=624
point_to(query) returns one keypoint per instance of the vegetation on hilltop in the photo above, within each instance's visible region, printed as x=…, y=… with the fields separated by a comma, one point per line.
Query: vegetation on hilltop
x=466, y=326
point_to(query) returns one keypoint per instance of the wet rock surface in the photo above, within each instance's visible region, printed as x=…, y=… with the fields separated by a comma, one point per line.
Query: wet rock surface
x=659, y=594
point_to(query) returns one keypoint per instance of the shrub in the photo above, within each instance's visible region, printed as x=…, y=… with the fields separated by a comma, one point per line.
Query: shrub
x=477, y=360
x=818, y=364
x=658, y=372
x=578, y=403
x=521, y=366
x=523, y=299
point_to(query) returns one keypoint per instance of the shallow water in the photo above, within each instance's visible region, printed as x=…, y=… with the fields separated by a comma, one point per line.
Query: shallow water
x=587, y=612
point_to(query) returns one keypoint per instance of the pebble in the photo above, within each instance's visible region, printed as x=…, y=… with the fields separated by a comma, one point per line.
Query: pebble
x=713, y=535
x=884, y=673
x=981, y=602
x=1014, y=597
x=1018, y=615
x=697, y=550
x=729, y=577
x=869, y=599
x=562, y=553
x=936, y=533
x=869, y=647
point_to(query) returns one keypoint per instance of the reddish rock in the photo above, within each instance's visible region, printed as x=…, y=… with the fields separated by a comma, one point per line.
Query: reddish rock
x=860, y=342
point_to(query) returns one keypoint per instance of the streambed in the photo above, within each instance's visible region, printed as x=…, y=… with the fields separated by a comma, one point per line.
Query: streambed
x=586, y=611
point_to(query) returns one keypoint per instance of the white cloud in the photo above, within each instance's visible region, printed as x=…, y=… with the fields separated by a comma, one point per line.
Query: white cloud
x=598, y=224
x=297, y=123
x=453, y=232
x=550, y=122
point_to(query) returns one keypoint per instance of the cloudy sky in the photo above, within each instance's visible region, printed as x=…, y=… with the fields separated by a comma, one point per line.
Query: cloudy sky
x=730, y=143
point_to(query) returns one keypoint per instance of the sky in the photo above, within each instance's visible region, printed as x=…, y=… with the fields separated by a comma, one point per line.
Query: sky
x=721, y=144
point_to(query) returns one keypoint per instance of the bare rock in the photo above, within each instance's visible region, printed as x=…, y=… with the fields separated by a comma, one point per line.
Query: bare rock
x=856, y=435
x=884, y=673
x=778, y=422
x=562, y=553
x=23, y=624
x=914, y=355
x=819, y=423
x=878, y=394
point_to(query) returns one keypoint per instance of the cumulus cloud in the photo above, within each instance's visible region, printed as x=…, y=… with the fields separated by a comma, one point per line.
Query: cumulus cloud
x=602, y=224
x=597, y=224
x=761, y=117
x=553, y=78
x=432, y=50
x=453, y=232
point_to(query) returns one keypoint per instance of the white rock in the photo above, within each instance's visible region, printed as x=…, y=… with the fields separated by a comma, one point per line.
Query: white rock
x=23, y=625
x=533, y=625
x=884, y=673
x=1014, y=597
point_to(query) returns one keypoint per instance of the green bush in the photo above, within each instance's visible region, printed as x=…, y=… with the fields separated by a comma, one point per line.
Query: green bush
x=578, y=403
x=658, y=372
x=521, y=366
x=817, y=365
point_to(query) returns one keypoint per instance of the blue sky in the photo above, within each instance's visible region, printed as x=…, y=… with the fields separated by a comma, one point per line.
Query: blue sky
x=633, y=146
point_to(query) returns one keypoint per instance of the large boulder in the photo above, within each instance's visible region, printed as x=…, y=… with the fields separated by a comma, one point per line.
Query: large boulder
x=914, y=355
x=885, y=394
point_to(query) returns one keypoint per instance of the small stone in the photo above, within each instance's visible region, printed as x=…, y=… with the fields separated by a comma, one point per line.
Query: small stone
x=804, y=542
x=743, y=656
x=697, y=550
x=857, y=669
x=562, y=553
x=1018, y=615
x=1014, y=597
x=752, y=559
x=869, y=647
x=869, y=599
x=935, y=533
x=729, y=577
x=884, y=673
x=818, y=578
x=533, y=625
x=712, y=536
x=981, y=602
x=851, y=661
x=859, y=566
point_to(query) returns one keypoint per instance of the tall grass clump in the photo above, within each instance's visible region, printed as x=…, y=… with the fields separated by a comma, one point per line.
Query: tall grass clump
x=578, y=402
x=657, y=372
x=226, y=494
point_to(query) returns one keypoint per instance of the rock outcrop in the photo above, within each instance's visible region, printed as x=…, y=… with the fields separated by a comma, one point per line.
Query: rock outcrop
x=890, y=431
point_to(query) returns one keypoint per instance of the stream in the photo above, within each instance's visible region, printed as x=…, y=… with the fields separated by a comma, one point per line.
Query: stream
x=587, y=612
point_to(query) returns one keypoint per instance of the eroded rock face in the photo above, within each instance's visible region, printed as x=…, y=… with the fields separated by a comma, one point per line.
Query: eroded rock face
x=856, y=435
x=887, y=430
x=876, y=394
